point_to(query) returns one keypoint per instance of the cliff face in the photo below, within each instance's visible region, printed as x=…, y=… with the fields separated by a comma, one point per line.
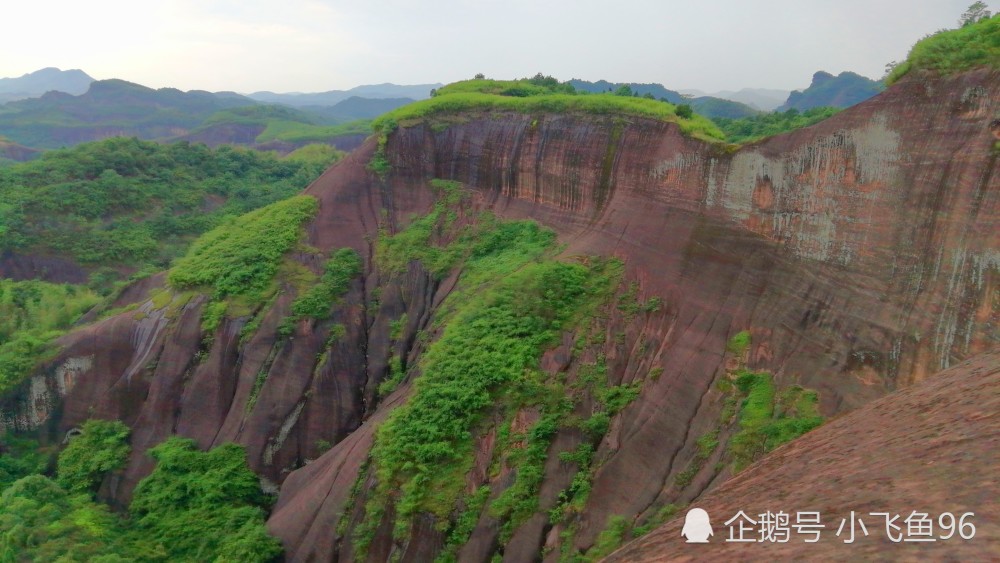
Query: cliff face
x=862, y=255
x=918, y=460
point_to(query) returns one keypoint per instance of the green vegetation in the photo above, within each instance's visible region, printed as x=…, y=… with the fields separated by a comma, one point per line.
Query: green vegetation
x=975, y=44
x=768, y=420
x=297, y=132
x=32, y=314
x=19, y=457
x=101, y=448
x=201, y=505
x=749, y=129
x=195, y=506
x=242, y=256
x=128, y=203
x=739, y=343
x=512, y=302
x=340, y=270
x=539, y=96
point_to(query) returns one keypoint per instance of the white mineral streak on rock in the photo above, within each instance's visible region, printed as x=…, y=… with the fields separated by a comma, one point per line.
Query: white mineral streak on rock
x=810, y=189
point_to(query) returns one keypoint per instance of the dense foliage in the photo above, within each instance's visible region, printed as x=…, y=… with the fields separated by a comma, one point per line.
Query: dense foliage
x=512, y=301
x=976, y=43
x=195, y=506
x=340, y=269
x=200, y=505
x=125, y=202
x=102, y=447
x=767, y=418
x=242, y=256
x=750, y=129
x=541, y=95
x=32, y=313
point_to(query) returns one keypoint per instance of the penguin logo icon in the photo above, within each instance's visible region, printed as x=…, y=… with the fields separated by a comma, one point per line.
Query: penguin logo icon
x=697, y=526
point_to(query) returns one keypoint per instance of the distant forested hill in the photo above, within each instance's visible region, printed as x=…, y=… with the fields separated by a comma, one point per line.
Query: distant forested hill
x=705, y=105
x=841, y=91
x=36, y=83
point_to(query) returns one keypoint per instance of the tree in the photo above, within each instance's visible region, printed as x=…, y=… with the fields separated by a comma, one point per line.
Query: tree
x=101, y=448
x=480, y=76
x=624, y=90
x=684, y=111
x=975, y=13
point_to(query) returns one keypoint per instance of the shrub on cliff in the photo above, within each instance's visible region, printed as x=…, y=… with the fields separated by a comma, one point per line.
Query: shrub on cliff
x=102, y=447
x=242, y=256
x=954, y=50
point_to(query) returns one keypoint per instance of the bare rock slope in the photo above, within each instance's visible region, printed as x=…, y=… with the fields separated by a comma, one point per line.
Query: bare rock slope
x=932, y=448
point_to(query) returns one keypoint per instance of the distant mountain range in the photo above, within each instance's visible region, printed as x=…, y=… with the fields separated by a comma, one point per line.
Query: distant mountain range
x=36, y=83
x=53, y=108
x=376, y=91
x=841, y=91
x=44, y=116
x=705, y=105
x=764, y=99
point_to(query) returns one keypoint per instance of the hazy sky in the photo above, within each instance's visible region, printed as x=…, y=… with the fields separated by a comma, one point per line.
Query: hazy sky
x=317, y=45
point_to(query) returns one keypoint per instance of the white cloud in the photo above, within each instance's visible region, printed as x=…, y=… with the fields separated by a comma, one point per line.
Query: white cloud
x=312, y=45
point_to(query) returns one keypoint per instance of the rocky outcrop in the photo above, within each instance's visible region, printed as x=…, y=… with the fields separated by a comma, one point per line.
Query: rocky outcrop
x=862, y=254
x=934, y=453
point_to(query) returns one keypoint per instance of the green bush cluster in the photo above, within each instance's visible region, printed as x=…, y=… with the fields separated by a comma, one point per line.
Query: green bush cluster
x=32, y=314
x=768, y=420
x=242, y=256
x=127, y=203
x=339, y=271
x=101, y=448
x=954, y=50
x=756, y=127
x=195, y=506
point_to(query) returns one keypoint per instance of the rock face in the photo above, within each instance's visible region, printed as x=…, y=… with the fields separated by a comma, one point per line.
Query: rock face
x=935, y=452
x=862, y=255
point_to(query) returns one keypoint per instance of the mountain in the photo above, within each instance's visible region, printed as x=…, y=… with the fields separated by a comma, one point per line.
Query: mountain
x=36, y=83
x=521, y=324
x=705, y=105
x=376, y=91
x=356, y=107
x=841, y=91
x=516, y=327
x=109, y=108
x=764, y=99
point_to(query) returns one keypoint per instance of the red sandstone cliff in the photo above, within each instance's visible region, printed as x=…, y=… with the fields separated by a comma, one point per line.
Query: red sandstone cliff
x=937, y=450
x=863, y=254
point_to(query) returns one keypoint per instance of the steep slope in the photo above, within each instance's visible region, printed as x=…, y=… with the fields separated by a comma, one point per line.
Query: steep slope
x=855, y=257
x=934, y=452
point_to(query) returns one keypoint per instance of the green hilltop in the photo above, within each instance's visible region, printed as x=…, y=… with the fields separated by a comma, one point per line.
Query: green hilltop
x=975, y=44
x=542, y=94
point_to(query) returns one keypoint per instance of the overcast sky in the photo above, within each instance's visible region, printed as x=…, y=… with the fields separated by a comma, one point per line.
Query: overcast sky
x=318, y=45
